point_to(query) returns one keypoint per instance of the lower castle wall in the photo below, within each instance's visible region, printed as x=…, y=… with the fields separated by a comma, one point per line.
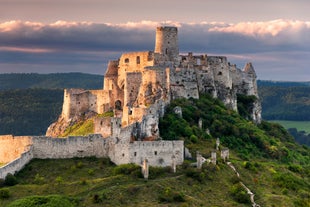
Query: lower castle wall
x=158, y=153
x=17, y=164
x=120, y=151
x=56, y=148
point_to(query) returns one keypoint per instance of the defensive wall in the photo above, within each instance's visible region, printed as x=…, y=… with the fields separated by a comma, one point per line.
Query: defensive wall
x=120, y=151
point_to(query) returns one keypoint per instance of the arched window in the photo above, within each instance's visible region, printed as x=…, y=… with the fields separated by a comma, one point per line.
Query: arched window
x=126, y=60
x=118, y=105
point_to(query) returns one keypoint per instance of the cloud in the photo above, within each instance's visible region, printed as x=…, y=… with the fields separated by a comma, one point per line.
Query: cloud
x=75, y=45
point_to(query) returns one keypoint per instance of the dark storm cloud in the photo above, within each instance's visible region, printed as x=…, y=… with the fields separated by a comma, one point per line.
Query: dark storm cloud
x=76, y=45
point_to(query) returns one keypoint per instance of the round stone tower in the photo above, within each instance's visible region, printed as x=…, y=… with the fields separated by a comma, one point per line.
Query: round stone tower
x=167, y=42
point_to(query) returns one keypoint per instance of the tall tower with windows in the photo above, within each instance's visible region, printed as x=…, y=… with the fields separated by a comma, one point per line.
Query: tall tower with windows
x=167, y=42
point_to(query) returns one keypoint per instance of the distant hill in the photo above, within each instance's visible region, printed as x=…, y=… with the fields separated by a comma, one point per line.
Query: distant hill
x=281, y=83
x=50, y=81
x=285, y=100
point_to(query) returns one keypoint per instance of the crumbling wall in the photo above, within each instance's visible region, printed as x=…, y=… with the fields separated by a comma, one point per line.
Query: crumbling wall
x=91, y=145
x=17, y=164
x=183, y=83
x=158, y=153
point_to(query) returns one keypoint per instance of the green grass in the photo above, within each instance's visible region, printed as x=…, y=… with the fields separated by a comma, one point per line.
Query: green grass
x=97, y=182
x=299, y=125
x=80, y=129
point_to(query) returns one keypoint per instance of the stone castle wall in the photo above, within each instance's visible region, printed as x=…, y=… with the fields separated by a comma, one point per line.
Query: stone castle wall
x=118, y=148
x=17, y=164
x=11, y=147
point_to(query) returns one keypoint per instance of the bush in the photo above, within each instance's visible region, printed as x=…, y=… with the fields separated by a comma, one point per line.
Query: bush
x=10, y=180
x=127, y=169
x=240, y=194
x=46, y=201
x=168, y=195
x=4, y=193
x=39, y=179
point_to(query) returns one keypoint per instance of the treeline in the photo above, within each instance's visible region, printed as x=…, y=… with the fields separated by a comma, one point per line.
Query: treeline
x=48, y=81
x=29, y=111
x=285, y=102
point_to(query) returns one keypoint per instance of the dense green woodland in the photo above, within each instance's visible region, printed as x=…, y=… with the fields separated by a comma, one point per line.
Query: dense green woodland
x=50, y=81
x=29, y=111
x=268, y=160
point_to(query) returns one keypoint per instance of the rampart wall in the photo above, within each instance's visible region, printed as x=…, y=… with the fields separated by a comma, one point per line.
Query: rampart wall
x=56, y=148
x=158, y=153
x=17, y=164
x=119, y=149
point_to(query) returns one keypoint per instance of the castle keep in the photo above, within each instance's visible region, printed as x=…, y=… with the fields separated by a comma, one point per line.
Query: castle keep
x=137, y=88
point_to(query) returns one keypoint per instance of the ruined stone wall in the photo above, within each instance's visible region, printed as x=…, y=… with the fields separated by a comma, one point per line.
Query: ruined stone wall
x=12, y=147
x=183, y=83
x=102, y=125
x=100, y=101
x=158, y=153
x=17, y=164
x=77, y=102
x=56, y=148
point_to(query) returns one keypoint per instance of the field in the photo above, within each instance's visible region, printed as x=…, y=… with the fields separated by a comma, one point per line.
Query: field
x=299, y=125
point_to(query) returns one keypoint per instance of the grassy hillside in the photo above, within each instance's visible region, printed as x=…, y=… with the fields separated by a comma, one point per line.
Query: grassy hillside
x=275, y=168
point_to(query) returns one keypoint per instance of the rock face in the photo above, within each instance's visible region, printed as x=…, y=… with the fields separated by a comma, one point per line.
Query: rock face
x=139, y=85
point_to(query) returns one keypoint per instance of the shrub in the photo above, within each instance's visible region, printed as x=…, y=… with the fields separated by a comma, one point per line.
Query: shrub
x=127, y=169
x=59, y=180
x=91, y=172
x=168, y=195
x=79, y=164
x=96, y=199
x=295, y=168
x=155, y=172
x=193, y=138
x=48, y=201
x=4, y=193
x=38, y=179
x=2, y=183
x=196, y=174
x=10, y=180
x=240, y=194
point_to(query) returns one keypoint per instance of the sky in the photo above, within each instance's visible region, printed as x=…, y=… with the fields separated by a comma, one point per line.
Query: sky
x=48, y=36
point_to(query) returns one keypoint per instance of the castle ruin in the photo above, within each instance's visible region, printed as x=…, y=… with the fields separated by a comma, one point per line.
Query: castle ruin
x=137, y=88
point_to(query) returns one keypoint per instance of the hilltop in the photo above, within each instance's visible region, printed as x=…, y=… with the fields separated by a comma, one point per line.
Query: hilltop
x=274, y=167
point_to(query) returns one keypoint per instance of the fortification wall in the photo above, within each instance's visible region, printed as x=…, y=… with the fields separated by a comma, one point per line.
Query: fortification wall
x=17, y=164
x=12, y=147
x=92, y=145
x=158, y=153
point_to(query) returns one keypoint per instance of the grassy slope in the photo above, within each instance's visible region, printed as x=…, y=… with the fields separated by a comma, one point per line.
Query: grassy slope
x=270, y=164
